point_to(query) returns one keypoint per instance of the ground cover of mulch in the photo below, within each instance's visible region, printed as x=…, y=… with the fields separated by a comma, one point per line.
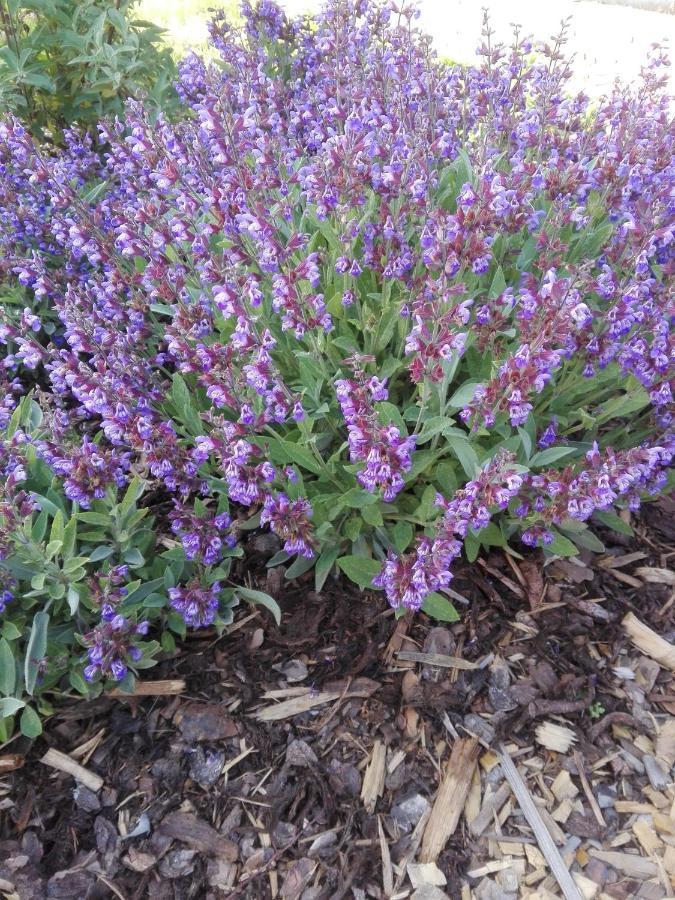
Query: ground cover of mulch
x=527, y=750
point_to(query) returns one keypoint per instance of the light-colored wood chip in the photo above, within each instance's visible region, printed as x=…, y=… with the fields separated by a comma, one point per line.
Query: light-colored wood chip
x=663, y=824
x=11, y=762
x=632, y=807
x=627, y=863
x=436, y=659
x=64, y=763
x=646, y=837
x=665, y=743
x=659, y=799
x=489, y=868
x=669, y=861
x=656, y=576
x=373, y=781
x=555, y=737
x=535, y=820
x=387, y=871
x=618, y=562
x=534, y=856
x=589, y=889
x=425, y=873
x=563, y=787
x=590, y=796
x=295, y=706
x=651, y=643
x=492, y=805
x=165, y=688
x=450, y=798
x=472, y=805
x=562, y=812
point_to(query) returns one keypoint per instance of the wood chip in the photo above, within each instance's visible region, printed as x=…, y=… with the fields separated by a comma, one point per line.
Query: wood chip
x=562, y=812
x=633, y=806
x=563, y=787
x=534, y=819
x=165, y=688
x=373, y=781
x=589, y=889
x=663, y=824
x=647, y=640
x=11, y=762
x=555, y=737
x=646, y=837
x=295, y=706
x=450, y=798
x=387, y=871
x=626, y=863
x=436, y=659
x=597, y=812
x=196, y=833
x=656, y=576
x=492, y=805
x=665, y=743
x=64, y=763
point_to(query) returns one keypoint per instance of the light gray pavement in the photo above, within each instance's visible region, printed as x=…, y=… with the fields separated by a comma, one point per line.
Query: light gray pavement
x=608, y=41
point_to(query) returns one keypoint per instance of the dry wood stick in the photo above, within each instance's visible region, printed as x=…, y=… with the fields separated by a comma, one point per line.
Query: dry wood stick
x=64, y=763
x=450, y=798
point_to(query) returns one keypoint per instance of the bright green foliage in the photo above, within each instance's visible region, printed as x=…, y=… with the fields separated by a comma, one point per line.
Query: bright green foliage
x=70, y=62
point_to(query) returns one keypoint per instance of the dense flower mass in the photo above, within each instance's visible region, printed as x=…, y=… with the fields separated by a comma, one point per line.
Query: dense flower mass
x=382, y=306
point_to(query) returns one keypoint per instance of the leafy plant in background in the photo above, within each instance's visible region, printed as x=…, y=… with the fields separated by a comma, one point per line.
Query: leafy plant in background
x=75, y=61
x=385, y=308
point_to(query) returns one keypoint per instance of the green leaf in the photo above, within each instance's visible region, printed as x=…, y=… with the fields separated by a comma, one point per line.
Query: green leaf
x=527, y=255
x=611, y=520
x=262, y=599
x=7, y=668
x=182, y=400
x=9, y=706
x=551, y=455
x=402, y=535
x=94, y=518
x=30, y=724
x=357, y=498
x=36, y=649
x=622, y=406
x=465, y=454
x=585, y=538
x=101, y=552
x=464, y=395
x=72, y=599
x=498, y=285
x=561, y=546
x=439, y=607
x=283, y=451
x=324, y=564
x=359, y=569
x=134, y=557
x=301, y=565
x=56, y=533
x=10, y=631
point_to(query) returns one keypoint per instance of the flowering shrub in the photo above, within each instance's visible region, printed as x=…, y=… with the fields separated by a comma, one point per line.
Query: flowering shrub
x=385, y=308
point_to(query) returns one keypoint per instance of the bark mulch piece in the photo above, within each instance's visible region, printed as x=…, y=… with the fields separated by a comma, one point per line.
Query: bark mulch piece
x=526, y=751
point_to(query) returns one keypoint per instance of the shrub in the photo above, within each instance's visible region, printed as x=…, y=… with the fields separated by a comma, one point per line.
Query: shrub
x=75, y=61
x=384, y=307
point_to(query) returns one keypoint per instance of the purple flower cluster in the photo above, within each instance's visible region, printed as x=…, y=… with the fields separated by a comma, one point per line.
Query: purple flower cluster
x=112, y=646
x=339, y=225
x=197, y=605
x=290, y=520
x=385, y=452
x=204, y=536
x=408, y=580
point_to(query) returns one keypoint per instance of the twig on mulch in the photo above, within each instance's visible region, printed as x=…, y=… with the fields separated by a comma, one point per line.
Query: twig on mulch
x=544, y=840
x=63, y=763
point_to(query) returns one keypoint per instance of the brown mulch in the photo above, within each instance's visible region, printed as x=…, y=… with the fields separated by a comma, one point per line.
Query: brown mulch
x=348, y=755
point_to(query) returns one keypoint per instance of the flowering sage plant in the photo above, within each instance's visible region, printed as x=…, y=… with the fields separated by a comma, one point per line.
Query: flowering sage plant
x=387, y=308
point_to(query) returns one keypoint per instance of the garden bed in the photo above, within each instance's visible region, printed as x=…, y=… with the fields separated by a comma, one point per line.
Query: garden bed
x=220, y=787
